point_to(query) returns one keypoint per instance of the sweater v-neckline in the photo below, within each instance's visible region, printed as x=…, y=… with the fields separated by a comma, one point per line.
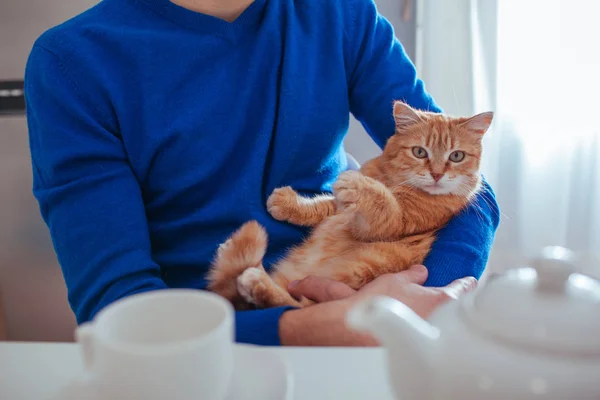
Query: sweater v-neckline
x=247, y=21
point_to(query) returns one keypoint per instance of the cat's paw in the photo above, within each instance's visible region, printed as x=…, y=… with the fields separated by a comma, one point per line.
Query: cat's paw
x=281, y=203
x=347, y=189
x=247, y=283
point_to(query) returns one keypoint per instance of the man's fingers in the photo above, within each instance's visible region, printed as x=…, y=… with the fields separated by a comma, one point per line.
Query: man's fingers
x=320, y=289
x=459, y=287
x=415, y=274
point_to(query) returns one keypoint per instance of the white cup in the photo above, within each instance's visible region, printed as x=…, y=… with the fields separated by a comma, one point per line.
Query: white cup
x=166, y=344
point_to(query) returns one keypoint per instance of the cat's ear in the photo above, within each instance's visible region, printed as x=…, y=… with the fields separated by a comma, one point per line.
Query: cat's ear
x=405, y=115
x=480, y=123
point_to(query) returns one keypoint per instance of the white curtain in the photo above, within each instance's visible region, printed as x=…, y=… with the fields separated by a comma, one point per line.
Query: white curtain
x=536, y=63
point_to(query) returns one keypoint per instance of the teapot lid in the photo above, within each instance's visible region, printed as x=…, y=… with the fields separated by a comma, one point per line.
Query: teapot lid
x=547, y=306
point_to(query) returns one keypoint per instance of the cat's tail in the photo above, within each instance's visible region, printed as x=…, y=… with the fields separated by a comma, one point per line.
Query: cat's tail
x=244, y=249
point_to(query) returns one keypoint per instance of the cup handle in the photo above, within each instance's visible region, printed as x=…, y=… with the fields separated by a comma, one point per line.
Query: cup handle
x=85, y=337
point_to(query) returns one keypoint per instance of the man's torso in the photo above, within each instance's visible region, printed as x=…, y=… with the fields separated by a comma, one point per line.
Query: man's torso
x=214, y=116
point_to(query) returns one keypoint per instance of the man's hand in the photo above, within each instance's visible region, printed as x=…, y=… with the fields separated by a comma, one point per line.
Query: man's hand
x=324, y=324
x=320, y=290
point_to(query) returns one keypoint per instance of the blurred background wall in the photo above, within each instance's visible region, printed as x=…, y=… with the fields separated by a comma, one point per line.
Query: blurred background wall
x=31, y=284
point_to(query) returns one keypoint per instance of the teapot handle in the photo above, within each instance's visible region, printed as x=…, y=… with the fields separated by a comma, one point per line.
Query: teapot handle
x=553, y=268
x=85, y=337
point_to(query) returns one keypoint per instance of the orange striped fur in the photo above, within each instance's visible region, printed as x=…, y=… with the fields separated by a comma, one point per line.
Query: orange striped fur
x=380, y=220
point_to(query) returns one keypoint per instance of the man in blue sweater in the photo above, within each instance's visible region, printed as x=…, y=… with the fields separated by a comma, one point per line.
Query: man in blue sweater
x=158, y=127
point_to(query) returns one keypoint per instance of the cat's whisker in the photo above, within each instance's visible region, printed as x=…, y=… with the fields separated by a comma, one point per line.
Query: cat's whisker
x=408, y=182
x=479, y=212
x=476, y=206
x=489, y=202
x=467, y=190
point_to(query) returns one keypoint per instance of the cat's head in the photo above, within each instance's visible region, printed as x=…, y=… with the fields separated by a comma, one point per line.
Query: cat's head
x=434, y=152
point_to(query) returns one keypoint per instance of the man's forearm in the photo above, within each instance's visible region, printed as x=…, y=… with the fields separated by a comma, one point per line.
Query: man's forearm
x=320, y=325
x=462, y=248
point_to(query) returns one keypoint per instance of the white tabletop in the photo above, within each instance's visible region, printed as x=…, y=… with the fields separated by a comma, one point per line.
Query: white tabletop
x=39, y=371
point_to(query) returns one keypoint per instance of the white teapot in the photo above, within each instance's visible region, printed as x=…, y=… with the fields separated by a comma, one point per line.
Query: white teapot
x=530, y=333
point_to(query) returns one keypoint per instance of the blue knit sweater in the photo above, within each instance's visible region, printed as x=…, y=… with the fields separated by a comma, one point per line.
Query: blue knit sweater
x=155, y=132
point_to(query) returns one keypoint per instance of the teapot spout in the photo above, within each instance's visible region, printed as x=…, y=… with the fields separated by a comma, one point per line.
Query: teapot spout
x=412, y=343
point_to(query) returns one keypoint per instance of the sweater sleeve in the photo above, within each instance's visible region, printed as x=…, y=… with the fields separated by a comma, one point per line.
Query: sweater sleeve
x=85, y=187
x=380, y=72
x=91, y=200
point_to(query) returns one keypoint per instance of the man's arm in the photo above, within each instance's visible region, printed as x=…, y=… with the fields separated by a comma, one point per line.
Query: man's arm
x=87, y=192
x=379, y=72
x=324, y=324
x=462, y=248
x=91, y=199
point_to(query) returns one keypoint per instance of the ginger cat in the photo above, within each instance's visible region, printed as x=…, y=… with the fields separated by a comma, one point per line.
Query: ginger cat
x=380, y=220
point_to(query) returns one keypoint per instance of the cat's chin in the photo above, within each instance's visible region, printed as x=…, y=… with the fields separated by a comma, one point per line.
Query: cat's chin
x=455, y=187
x=440, y=190
x=436, y=190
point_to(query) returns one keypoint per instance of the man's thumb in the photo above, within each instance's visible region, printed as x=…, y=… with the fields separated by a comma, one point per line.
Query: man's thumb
x=460, y=287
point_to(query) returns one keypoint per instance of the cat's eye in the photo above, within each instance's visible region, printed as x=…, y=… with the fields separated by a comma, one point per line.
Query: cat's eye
x=457, y=156
x=419, y=152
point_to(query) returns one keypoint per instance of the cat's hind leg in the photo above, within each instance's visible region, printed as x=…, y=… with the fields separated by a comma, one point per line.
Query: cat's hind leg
x=258, y=288
x=371, y=260
x=244, y=249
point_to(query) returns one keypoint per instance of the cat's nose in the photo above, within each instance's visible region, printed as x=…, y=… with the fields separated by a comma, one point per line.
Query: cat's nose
x=436, y=177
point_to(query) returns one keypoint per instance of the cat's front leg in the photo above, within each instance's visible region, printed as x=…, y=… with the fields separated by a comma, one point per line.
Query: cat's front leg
x=285, y=204
x=373, y=210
